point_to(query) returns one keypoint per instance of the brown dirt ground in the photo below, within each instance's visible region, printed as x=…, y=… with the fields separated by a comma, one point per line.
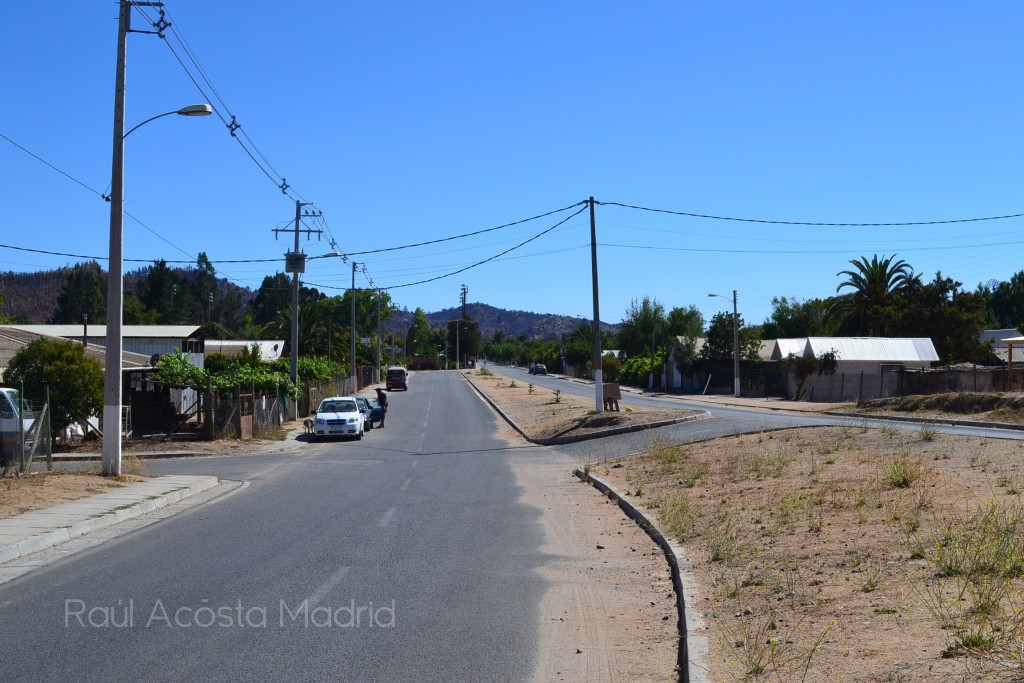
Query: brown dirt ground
x=41, y=490
x=812, y=565
x=810, y=559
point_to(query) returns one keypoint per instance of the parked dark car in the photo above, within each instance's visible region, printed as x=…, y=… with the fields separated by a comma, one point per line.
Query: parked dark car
x=538, y=369
x=371, y=410
x=366, y=410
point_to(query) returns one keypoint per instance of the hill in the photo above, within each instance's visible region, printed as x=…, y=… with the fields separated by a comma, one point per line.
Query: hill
x=32, y=299
x=513, y=323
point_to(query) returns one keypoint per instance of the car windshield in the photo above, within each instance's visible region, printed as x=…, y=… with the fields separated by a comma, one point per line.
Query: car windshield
x=338, y=407
x=396, y=373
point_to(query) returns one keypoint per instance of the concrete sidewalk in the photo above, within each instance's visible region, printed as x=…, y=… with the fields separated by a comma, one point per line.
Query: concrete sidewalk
x=32, y=531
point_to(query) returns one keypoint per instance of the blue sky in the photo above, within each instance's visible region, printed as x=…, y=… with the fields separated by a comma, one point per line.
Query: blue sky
x=409, y=122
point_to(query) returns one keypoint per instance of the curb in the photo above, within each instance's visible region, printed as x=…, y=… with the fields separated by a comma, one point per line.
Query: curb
x=614, y=431
x=691, y=660
x=929, y=420
x=186, y=487
x=561, y=440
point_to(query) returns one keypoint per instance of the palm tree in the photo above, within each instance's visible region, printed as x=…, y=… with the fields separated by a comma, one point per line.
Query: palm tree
x=867, y=310
x=312, y=331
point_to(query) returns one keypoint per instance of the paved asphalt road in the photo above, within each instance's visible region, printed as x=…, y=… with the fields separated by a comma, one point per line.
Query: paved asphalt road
x=725, y=420
x=416, y=531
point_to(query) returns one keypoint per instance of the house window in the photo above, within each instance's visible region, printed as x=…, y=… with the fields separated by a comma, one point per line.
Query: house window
x=192, y=345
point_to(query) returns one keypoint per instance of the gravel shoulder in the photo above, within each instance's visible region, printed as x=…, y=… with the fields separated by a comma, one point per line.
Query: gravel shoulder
x=610, y=611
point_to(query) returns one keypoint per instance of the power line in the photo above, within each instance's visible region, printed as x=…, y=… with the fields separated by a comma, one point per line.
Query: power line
x=471, y=234
x=496, y=256
x=47, y=163
x=244, y=141
x=812, y=223
x=801, y=251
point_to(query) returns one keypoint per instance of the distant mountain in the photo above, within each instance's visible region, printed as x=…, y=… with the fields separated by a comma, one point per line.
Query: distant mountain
x=512, y=323
x=32, y=297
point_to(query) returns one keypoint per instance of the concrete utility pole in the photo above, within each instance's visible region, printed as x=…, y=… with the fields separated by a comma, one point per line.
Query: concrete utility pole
x=458, y=323
x=598, y=380
x=376, y=371
x=295, y=263
x=115, y=277
x=735, y=347
x=113, y=354
x=352, y=363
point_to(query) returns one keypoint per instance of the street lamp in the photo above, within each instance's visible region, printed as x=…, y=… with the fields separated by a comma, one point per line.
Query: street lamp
x=115, y=273
x=735, y=344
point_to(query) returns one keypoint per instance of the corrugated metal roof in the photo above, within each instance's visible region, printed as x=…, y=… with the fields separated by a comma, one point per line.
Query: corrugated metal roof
x=784, y=348
x=875, y=348
x=133, y=331
x=13, y=340
x=269, y=349
x=998, y=337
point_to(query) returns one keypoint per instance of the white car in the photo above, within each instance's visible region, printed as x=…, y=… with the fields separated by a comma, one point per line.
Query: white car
x=339, y=416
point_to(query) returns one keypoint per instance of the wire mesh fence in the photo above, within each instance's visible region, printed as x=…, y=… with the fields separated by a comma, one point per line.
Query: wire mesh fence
x=26, y=438
x=247, y=413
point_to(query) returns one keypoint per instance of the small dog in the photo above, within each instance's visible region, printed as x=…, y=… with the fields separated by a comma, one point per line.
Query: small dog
x=308, y=424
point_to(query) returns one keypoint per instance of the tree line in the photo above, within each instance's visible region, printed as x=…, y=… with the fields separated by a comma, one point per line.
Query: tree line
x=876, y=297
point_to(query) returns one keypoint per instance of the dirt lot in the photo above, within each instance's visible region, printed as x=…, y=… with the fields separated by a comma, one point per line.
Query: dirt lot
x=838, y=554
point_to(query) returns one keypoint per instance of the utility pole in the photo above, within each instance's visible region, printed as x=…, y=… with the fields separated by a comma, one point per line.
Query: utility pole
x=735, y=347
x=352, y=363
x=295, y=263
x=598, y=381
x=376, y=371
x=654, y=326
x=115, y=277
x=458, y=324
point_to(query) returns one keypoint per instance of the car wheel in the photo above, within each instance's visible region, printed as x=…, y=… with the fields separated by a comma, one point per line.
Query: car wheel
x=359, y=435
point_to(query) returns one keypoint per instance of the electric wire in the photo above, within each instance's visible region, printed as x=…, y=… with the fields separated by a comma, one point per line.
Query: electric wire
x=496, y=256
x=233, y=126
x=796, y=251
x=812, y=223
x=473, y=234
x=47, y=163
x=317, y=221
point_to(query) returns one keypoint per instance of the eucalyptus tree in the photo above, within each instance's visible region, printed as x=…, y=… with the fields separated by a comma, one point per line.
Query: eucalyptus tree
x=84, y=294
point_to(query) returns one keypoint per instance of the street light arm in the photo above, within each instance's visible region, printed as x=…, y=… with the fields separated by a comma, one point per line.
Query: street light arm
x=191, y=110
